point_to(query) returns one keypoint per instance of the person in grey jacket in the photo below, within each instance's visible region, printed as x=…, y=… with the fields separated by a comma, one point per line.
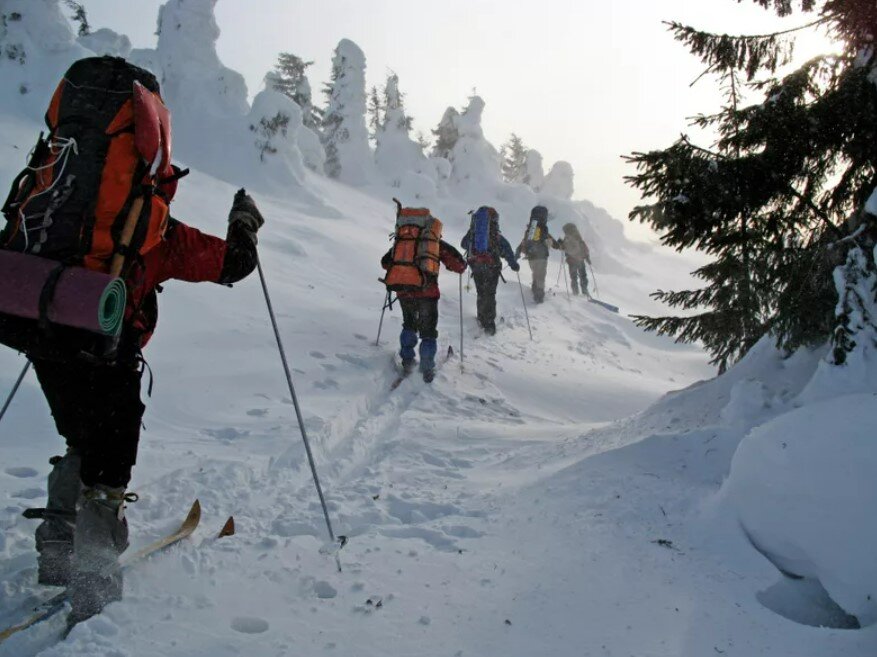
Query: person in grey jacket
x=577, y=254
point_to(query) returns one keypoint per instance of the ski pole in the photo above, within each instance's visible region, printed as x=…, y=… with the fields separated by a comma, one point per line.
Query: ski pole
x=381, y=324
x=14, y=389
x=594, y=278
x=524, y=301
x=342, y=540
x=462, y=354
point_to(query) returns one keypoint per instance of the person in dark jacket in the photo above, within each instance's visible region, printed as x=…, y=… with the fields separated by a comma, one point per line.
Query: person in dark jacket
x=97, y=409
x=420, y=314
x=486, y=266
x=577, y=254
x=535, y=245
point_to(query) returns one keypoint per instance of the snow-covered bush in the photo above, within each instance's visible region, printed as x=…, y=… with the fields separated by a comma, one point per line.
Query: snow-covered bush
x=803, y=485
x=345, y=136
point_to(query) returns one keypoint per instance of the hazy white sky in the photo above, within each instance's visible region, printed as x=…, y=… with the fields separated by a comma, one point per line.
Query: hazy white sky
x=581, y=80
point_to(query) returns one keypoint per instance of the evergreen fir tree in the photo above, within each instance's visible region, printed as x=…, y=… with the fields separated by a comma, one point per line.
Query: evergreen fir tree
x=375, y=110
x=446, y=134
x=79, y=16
x=771, y=196
x=423, y=142
x=514, y=160
x=289, y=78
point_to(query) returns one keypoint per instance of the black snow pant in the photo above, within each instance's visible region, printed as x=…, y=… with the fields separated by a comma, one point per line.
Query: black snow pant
x=578, y=273
x=97, y=409
x=486, y=279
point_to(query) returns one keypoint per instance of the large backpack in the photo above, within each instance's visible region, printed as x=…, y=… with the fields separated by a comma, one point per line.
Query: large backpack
x=96, y=190
x=537, y=230
x=415, y=258
x=484, y=236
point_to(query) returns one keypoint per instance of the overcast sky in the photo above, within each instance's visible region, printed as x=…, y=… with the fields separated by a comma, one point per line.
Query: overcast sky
x=580, y=80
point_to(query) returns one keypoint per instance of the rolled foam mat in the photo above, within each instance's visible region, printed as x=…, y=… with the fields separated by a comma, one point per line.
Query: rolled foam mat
x=83, y=299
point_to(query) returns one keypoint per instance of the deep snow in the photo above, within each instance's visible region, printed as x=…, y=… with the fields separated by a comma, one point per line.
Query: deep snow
x=553, y=497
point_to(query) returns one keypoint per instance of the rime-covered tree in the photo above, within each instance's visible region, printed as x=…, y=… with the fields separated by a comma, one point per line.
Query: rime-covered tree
x=375, y=111
x=344, y=134
x=446, y=134
x=79, y=17
x=771, y=196
x=514, y=160
x=396, y=154
x=394, y=105
x=289, y=77
x=423, y=142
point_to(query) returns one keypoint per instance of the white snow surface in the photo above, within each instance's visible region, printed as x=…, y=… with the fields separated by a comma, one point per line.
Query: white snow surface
x=545, y=497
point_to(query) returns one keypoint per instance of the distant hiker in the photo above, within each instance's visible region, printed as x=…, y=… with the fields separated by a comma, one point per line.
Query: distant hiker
x=111, y=215
x=577, y=254
x=412, y=265
x=535, y=246
x=485, y=245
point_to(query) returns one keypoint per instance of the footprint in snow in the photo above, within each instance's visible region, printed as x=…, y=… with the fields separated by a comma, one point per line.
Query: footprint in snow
x=257, y=412
x=29, y=494
x=21, y=473
x=249, y=625
x=324, y=590
x=317, y=354
x=226, y=433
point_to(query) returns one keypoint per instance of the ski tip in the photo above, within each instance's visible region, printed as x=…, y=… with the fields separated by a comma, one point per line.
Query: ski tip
x=194, y=516
x=228, y=528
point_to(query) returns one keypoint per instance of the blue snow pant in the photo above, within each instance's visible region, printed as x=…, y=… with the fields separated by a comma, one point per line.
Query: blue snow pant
x=419, y=316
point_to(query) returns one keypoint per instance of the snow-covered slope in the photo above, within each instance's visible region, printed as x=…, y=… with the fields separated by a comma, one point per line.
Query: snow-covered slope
x=546, y=497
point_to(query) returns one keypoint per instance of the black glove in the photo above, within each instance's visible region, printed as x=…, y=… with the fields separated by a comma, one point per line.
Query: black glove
x=514, y=266
x=245, y=213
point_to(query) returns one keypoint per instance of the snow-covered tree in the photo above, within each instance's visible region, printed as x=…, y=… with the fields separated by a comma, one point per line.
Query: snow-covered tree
x=534, y=174
x=394, y=109
x=396, y=154
x=345, y=136
x=475, y=161
x=193, y=79
x=514, y=160
x=289, y=77
x=446, y=134
x=560, y=180
x=423, y=142
x=37, y=45
x=375, y=113
x=79, y=16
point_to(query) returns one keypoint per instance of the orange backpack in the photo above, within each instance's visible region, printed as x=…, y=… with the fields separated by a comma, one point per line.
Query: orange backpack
x=96, y=190
x=415, y=253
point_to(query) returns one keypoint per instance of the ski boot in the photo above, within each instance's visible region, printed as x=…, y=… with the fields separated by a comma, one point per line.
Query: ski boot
x=428, y=349
x=100, y=536
x=54, y=536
